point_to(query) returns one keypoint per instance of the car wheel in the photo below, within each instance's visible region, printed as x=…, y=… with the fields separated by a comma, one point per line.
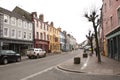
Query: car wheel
x=18, y=59
x=29, y=57
x=5, y=61
x=38, y=56
x=45, y=55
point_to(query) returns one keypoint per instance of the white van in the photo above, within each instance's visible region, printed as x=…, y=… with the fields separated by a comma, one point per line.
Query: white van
x=35, y=53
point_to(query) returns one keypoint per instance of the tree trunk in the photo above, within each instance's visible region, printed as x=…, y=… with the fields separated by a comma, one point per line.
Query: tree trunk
x=91, y=46
x=96, y=40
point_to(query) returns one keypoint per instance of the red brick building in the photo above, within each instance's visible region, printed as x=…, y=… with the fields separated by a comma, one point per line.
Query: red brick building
x=111, y=28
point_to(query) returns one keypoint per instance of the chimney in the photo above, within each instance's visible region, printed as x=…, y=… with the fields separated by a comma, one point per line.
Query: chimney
x=46, y=22
x=52, y=24
x=34, y=14
x=41, y=17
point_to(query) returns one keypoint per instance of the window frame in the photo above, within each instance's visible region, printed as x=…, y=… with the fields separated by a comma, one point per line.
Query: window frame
x=6, y=33
x=13, y=21
x=13, y=34
x=6, y=17
x=19, y=37
x=19, y=23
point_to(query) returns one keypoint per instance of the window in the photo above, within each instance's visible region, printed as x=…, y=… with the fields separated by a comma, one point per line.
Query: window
x=41, y=36
x=47, y=37
x=47, y=27
x=25, y=25
x=30, y=36
x=37, y=35
x=118, y=14
x=44, y=36
x=6, y=32
x=106, y=27
x=19, y=34
x=13, y=33
x=37, y=23
x=13, y=21
x=19, y=23
x=30, y=26
x=44, y=26
x=105, y=8
x=6, y=19
x=40, y=24
x=111, y=22
x=25, y=35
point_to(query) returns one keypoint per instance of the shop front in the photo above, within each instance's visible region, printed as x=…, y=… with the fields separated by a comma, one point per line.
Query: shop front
x=18, y=46
x=42, y=44
x=113, y=44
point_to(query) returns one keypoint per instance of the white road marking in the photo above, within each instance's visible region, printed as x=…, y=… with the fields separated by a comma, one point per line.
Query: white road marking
x=38, y=73
x=85, y=64
x=35, y=74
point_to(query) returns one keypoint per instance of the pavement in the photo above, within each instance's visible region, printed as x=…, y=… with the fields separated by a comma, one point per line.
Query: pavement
x=90, y=65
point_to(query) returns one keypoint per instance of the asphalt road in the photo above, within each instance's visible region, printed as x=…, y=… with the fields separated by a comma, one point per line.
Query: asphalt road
x=32, y=67
x=45, y=69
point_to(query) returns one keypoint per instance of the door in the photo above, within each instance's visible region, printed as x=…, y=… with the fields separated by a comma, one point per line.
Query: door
x=11, y=55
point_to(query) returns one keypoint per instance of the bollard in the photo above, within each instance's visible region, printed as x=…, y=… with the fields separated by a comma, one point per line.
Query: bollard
x=77, y=60
x=85, y=55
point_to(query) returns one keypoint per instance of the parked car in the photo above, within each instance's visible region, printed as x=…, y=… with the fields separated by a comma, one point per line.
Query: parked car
x=9, y=55
x=87, y=48
x=35, y=53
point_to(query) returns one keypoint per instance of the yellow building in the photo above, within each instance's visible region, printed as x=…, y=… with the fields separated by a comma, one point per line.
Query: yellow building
x=54, y=39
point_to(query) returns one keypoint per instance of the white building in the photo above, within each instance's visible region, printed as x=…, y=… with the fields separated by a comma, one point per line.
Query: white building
x=16, y=31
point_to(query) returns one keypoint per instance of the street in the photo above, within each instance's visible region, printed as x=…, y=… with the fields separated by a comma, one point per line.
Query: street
x=45, y=69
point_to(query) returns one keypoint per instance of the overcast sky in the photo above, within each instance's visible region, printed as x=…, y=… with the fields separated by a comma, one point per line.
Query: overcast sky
x=67, y=14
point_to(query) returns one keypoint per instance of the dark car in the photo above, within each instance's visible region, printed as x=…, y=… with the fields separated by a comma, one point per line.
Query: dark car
x=9, y=55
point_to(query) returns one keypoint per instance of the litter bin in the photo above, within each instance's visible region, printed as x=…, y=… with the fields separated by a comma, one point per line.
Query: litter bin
x=77, y=60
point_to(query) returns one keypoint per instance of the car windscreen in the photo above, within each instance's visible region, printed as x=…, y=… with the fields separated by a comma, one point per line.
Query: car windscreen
x=3, y=51
x=6, y=51
x=30, y=49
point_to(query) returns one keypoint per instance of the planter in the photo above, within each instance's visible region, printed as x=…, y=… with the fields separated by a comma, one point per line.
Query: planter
x=77, y=60
x=85, y=55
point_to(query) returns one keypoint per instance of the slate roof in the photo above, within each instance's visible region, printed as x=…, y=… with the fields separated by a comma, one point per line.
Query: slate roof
x=22, y=12
x=10, y=13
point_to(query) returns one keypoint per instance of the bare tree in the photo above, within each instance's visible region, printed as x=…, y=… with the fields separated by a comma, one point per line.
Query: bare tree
x=93, y=17
x=90, y=38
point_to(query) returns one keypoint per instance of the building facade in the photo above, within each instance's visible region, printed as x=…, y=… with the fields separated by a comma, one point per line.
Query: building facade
x=16, y=32
x=54, y=38
x=62, y=40
x=111, y=28
x=40, y=32
x=40, y=28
